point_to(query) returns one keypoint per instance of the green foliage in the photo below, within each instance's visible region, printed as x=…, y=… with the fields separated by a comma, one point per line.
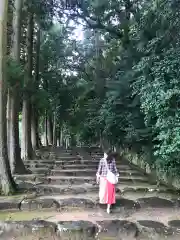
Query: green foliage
x=121, y=83
x=139, y=75
x=158, y=86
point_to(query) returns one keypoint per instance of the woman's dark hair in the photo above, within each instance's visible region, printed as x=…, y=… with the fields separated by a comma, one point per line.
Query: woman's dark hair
x=110, y=156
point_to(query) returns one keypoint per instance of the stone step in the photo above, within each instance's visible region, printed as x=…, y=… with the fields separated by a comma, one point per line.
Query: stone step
x=77, y=172
x=51, y=161
x=86, y=201
x=28, y=177
x=40, y=165
x=68, y=158
x=67, y=189
x=79, y=166
x=86, y=179
x=134, y=194
x=40, y=170
x=139, y=203
x=90, y=200
x=89, y=172
x=75, y=167
x=85, y=166
x=78, y=161
x=39, y=161
x=74, y=179
x=93, y=224
x=98, y=156
x=87, y=187
x=112, y=228
x=84, y=162
x=127, y=191
x=64, y=153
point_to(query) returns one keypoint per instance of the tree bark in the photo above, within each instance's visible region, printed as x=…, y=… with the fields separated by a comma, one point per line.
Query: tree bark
x=33, y=129
x=50, y=130
x=38, y=141
x=58, y=137
x=8, y=113
x=61, y=137
x=16, y=163
x=34, y=116
x=7, y=183
x=54, y=130
x=27, y=150
x=46, y=134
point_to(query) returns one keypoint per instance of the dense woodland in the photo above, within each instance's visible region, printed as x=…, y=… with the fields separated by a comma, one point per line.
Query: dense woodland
x=120, y=84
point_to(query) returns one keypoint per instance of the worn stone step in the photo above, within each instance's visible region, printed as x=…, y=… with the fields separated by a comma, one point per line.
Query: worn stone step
x=89, y=172
x=68, y=158
x=67, y=189
x=86, y=179
x=85, y=166
x=124, y=191
x=79, y=166
x=64, y=153
x=44, y=170
x=97, y=156
x=113, y=229
x=59, y=165
x=87, y=163
x=90, y=225
x=40, y=165
x=134, y=194
x=90, y=200
x=28, y=177
x=74, y=179
x=40, y=161
x=110, y=227
x=86, y=201
x=90, y=187
x=77, y=161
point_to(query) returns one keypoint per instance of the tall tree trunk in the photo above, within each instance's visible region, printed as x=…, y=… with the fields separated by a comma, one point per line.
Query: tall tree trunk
x=27, y=150
x=61, y=137
x=38, y=141
x=8, y=113
x=50, y=130
x=6, y=181
x=46, y=127
x=54, y=129
x=58, y=137
x=16, y=163
x=33, y=129
x=34, y=116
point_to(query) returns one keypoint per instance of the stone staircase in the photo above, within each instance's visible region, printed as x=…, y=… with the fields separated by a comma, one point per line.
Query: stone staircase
x=63, y=200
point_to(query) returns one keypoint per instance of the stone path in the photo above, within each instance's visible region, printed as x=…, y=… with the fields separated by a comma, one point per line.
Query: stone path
x=62, y=202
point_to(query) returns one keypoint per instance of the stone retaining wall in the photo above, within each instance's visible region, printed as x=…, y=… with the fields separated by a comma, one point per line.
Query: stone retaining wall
x=140, y=161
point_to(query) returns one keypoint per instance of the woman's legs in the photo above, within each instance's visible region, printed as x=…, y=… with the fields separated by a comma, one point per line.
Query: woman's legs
x=102, y=190
x=108, y=208
x=110, y=195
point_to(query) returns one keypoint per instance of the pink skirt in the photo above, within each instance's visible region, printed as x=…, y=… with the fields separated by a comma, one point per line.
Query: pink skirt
x=106, y=192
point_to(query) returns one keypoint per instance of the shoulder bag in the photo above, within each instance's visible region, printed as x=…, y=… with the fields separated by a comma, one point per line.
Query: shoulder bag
x=111, y=177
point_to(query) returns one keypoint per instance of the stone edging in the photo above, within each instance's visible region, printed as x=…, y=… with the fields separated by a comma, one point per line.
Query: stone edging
x=87, y=229
x=160, y=176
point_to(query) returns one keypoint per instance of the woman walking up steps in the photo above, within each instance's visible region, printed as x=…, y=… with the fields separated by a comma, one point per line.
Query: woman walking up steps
x=107, y=177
